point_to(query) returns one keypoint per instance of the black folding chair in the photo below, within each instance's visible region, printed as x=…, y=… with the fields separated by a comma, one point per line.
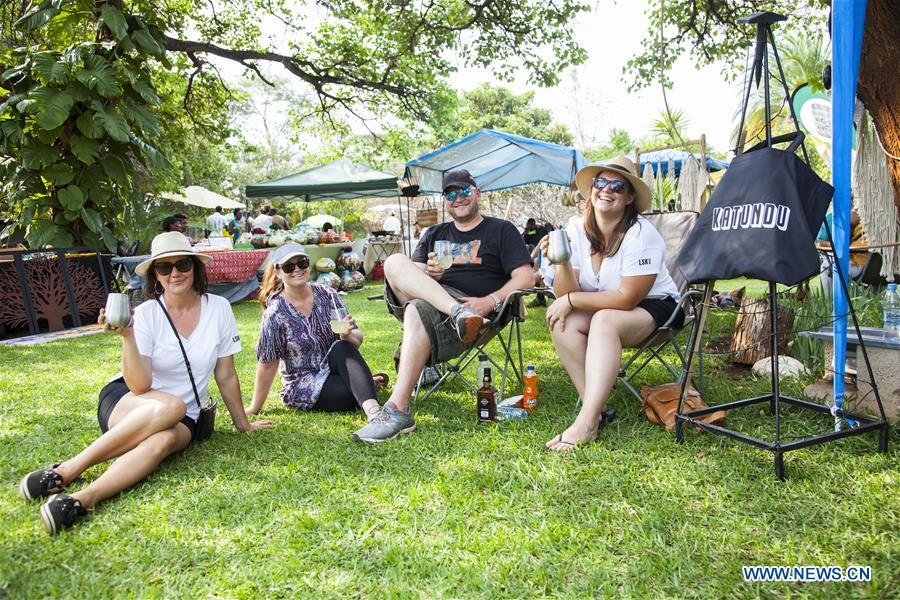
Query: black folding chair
x=674, y=228
x=504, y=326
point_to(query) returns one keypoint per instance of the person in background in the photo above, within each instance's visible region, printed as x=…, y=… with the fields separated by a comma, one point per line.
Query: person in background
x=168, y=223
x=858, y=258
x=177, y=222
x=392, y=224
x=216, y=223
x=278, y=221
x=263, y=222
x=613, y=292
x=235, y=226
x=320, y=370
x=532, y=234
x=149, y=412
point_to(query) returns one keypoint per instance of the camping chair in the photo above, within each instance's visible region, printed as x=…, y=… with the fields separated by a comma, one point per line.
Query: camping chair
x=674, y=228
x=505, y=327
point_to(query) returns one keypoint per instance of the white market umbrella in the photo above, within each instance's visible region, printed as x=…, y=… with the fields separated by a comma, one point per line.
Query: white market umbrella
x=318, y=220
x=202, y=197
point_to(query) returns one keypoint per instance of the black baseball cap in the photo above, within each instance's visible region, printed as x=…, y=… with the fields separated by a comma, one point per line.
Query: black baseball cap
x=458, y=179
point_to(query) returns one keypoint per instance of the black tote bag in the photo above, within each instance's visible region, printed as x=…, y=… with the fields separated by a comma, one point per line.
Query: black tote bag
x=761, y=221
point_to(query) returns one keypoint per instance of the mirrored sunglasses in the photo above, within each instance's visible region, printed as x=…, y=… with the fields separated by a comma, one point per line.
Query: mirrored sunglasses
x=301, y=263
x=452, y=196
x=615, y=186
x=165, y=268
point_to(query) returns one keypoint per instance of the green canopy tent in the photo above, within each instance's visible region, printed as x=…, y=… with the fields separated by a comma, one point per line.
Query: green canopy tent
x=341, y=179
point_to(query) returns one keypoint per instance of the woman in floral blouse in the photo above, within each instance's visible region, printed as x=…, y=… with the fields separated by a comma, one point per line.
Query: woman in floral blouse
x=320, y=370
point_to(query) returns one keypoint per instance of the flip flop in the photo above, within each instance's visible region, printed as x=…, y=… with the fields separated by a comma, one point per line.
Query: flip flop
x=380, y=379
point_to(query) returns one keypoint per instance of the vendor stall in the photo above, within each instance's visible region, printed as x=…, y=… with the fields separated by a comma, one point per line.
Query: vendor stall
x=231, y=274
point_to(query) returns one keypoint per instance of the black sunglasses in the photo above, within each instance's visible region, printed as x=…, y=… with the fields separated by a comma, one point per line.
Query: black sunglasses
x=289, y=267
x=165, y=268
x=616, y=186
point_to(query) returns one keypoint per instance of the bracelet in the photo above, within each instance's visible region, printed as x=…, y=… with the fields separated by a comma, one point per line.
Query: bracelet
x=569, y=298
x=496, y=300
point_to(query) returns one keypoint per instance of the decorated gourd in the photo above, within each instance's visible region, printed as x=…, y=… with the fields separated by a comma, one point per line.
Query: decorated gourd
x=329, y=279
x=325, y=265
x=349, y=261
x=275, y=241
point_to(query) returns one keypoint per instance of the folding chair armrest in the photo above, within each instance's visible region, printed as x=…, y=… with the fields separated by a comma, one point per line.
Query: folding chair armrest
x=517, y=294
x=689, y=295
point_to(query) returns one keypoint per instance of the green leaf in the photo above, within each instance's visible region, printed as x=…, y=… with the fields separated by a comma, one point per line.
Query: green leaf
x=146, y=91
x=71, y=197
x=52, y=108
x=114, y=123
x=109, y=239
x=48, y=136
x=12, y=132
x=27, y=106
x=14, y=99
x=9, y=230
x=99, y=74
x=147, y=42
x=88, y=125
x=84, y=149
x=13, y=72
x=40, y=16
x=92, y=219
x=114, y=20
x=149, y=151
x=59, y=174
x=140, y=116
x=38, y=157
x=42, y=232
x=115, y=168
x=49, y=69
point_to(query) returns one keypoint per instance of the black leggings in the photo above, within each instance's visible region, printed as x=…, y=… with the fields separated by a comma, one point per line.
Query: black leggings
x=350, y=382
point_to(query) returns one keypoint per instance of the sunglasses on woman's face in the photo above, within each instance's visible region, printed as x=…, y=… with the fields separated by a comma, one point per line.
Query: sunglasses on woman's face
x=616, y=186
x=165, y=268
x=462, y=192
x=288, y=267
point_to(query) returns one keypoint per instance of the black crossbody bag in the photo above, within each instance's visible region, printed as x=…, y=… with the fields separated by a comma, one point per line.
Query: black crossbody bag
x=206, y=422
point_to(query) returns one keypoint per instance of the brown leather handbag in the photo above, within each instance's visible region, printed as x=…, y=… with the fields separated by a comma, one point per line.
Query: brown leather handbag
x=661, y=403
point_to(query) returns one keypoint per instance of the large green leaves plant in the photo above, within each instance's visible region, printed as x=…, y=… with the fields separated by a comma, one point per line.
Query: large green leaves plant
x=76, y=124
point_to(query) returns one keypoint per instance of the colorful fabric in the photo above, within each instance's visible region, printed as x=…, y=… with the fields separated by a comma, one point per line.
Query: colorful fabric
x=236, y=266
x=301, y=343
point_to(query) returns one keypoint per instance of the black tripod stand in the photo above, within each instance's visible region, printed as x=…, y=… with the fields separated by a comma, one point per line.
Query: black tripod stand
x=863, y=424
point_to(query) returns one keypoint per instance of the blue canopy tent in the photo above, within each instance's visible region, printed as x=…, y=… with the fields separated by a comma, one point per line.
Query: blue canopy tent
x=497, y=160
x=659, y=161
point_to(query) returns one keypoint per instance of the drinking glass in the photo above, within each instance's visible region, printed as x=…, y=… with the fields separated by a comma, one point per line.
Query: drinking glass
x=559, y=251
x=443, y=250
x=339, y=323
x=118, y=310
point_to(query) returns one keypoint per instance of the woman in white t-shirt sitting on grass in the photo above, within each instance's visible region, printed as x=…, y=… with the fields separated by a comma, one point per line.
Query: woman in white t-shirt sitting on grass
x=612, y=293
x=149, y=410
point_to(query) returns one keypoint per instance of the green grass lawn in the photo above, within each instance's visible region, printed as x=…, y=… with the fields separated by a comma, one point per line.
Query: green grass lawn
x=453, y=510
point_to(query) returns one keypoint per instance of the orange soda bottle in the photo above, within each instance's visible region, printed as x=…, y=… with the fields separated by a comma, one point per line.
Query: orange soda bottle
x=530, y=396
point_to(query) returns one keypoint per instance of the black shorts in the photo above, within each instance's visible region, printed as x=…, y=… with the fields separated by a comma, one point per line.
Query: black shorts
x=110, y=395
x=661, y=309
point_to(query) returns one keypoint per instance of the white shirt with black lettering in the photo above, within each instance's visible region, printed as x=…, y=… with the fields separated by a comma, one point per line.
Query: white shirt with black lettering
x=643, y=252
x=215, y=336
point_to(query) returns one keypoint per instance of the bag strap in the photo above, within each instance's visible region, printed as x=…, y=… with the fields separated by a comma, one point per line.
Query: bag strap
x=183, y=353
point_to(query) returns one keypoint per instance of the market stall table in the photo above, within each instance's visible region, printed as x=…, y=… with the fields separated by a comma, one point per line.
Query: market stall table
x=232, y=274
x=379, y=250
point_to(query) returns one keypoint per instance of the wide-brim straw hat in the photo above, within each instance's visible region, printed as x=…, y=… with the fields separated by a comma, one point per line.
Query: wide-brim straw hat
x=623, y=165
x=167, y=245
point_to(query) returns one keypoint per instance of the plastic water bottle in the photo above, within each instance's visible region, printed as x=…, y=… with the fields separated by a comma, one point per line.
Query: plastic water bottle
x=891, y=306
x=483, y=363
x=530, y=395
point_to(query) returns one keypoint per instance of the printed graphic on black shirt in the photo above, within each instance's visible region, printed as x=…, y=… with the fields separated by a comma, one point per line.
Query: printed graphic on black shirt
x=466, y=254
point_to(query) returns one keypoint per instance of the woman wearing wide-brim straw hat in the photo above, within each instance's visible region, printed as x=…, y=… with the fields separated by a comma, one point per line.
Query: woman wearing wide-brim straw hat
x=149, y=411
x=613, y=291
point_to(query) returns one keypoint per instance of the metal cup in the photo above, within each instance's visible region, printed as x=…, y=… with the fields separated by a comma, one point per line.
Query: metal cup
x=118, y=310
x=559, y=250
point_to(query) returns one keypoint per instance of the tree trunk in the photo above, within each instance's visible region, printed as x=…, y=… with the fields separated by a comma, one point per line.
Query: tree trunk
x=879, y=78
x=751, y=340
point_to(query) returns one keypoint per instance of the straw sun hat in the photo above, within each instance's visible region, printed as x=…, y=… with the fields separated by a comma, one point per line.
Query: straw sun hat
x=623, y=165
x=166, y=245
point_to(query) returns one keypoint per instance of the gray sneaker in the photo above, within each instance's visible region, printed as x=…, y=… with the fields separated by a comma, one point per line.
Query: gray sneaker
x=466, y=322
x=386, y=426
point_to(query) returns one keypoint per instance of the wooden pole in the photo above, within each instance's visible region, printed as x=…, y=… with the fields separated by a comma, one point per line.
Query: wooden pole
x=705, y=170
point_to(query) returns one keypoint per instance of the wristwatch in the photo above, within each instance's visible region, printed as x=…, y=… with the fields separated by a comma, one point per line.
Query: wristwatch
x=496, y=300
